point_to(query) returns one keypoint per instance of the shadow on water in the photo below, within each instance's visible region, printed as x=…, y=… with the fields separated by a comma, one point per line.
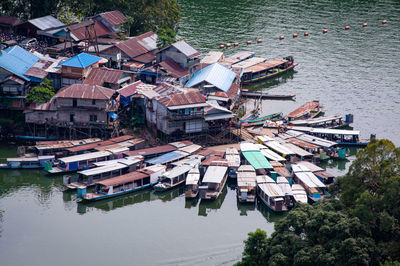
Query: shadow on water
x=206, y=206
x=270, y=215
x=271, y=83
x=189, y=203
x=243, y=208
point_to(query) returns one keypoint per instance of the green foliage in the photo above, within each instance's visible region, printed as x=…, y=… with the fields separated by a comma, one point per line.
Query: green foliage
x=361, y=227
x=165, y=37
x=41, y=94
x=255, y=248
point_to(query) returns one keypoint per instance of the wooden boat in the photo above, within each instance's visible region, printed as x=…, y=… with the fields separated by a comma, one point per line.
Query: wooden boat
x=271, y=194
x=85, y=161
x=233, y=157
x=268, y=69
x=314, y=187
x=29, y=162
x=307, y=110
x=249, y=116
x=123, y=184
x=192, y=183
x=266, y=95
x=283, y=183
x=261, y=120
x=246, y=183
x=299, y=193
x=104, y=170
x=213, y=182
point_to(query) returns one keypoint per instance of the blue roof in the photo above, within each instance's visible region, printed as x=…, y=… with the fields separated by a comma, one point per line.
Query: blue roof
x=17, y=60
x=216, y=75
x=81, y=60
x=170, y=156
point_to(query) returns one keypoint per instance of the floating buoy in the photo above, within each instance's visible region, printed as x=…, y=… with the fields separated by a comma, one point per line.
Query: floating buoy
x=221, y=46
x=281, y=37
x=295, y=35
x=228, y=45
x=384, y=21
x=236, y=44
x=306, y=33
x=248, y=42
x=259, y=41
x=347, y=27
x=325, y=31
x=365, y=25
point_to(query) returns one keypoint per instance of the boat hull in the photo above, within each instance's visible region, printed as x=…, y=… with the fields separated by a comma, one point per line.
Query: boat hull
x=284, y=208
x=159, y=188
x=244, y=82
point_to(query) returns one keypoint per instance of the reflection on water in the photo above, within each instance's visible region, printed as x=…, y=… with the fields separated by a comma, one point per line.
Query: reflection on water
x=192, y=202
x=270, y=215
x=207, y=206
x=245, y=207
x=271, y=83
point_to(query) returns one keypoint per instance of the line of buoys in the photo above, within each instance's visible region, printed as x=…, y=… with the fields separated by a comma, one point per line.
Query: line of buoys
x=249, y=42
x=228, y=45
x=236, y=44
x=347, y=27
x=281, y=37
x=365, y=25
x=384, y=21
x=259, y=41
x=295, y=35
x=306, y=33
x=325, y=31
x=221, y=46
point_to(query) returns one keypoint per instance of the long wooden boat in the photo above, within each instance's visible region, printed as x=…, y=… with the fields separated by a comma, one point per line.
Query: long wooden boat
x=192, y=183
x=213, y=182
x=104, y=170
x=246, y=183
x=299, y=194
x=307, y=110
x=268, y=69
x=173, y=178
x=266, y=95
x=283, y=183
x=314, y=187
x=271, y=194
x=28, y=162
x=232, y=155
x=123, y=184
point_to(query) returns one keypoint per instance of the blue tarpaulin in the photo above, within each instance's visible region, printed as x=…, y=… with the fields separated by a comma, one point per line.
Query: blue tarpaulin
x=165, y=158
x=113, y=115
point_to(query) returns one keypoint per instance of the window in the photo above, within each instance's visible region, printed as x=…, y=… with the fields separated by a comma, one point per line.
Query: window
x=93, y=118
x=74, y=102
x=93, y=102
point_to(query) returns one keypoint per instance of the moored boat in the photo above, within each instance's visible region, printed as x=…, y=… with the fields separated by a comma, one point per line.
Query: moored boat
x=233, y=157
x=283, y=183
x=29, y=162
x=266, y=95
x=271, y=194
x=314, y=187
x=268, y=69
x=213, y=182
x=299, y=193
x=246, y=183
x=192, y=183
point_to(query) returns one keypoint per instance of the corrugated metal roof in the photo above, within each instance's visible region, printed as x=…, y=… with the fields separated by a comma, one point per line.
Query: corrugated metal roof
x=309, y=179
x=85, y=91
x=304, y=109
x=257, y=159
x=150, y=151
x=131, y=88
x=79, y=31
x=216, y=75
x=249, y=62
x=86, y=156
x=114, y=17
x=81, y=60
x=212, y=57
x=90, y=146
x=264, y=65
x=130, y=177
x=312, y=139
x=272, y=155
x=132, y=47
x=46, y=22
x=297, y=150
x=98, y=76
x=174, y=69
x=10, y=21
x=17, y=60
x=193, y=176
x=178, y=99
x=102, y=169
x=215, y=174
x=168, y=157
x=148, y=40
x=312, y=167
x=186, y=49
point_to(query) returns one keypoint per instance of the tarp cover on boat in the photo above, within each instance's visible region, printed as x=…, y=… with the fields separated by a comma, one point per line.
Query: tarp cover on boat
x=168, y=157
x=257, y=159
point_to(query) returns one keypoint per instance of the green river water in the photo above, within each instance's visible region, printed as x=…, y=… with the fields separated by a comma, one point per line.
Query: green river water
x=353, y=71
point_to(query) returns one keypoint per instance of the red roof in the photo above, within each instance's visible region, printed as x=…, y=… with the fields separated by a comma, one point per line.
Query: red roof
x=90, y=146
x=233, y=91
x=130, y=177
x=98, y=76
x=132, y=47
x=114, y=17
x=191, y=97
x=131, y=88
x=121, y=138
x=304, y=109
x=85, y=91
x=151, y=151
x=80, y=32
x=145, y=58
x=173, y=69
x=209, y=160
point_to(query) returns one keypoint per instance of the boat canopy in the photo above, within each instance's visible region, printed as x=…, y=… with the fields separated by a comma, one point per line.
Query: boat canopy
x=271, y=155
x=272, y=190
x=119, y=180
x=316, y=121
x=102, y=169
x=312, y=139
x=168, y=157
x=193, y=176
x=279, y=148
x=297, y=150
x=249, y=62
x=126, y=161
x=264, y=179
x=310, y=166
x=85, y=156
x=246, y=168
x=30, y=159
x=215, y=174
x=327, y=131
x=190, y=160
x=233, y=157
x=177, y=171
x=309, y=179
x=247, y=146
x=190, y=148
x=264, y=65
x=283, y=183
x=257, y=160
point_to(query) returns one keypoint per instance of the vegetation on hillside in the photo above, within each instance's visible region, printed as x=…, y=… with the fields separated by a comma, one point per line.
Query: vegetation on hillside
x=41, y=94
x=358, y=226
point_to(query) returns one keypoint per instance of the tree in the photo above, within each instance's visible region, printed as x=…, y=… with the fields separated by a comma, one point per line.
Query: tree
x=41, y=94
x=165, y=37
x=255, y=248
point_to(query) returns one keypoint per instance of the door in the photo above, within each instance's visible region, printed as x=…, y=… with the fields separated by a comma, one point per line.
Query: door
x=74, y=102
x=71, y=117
